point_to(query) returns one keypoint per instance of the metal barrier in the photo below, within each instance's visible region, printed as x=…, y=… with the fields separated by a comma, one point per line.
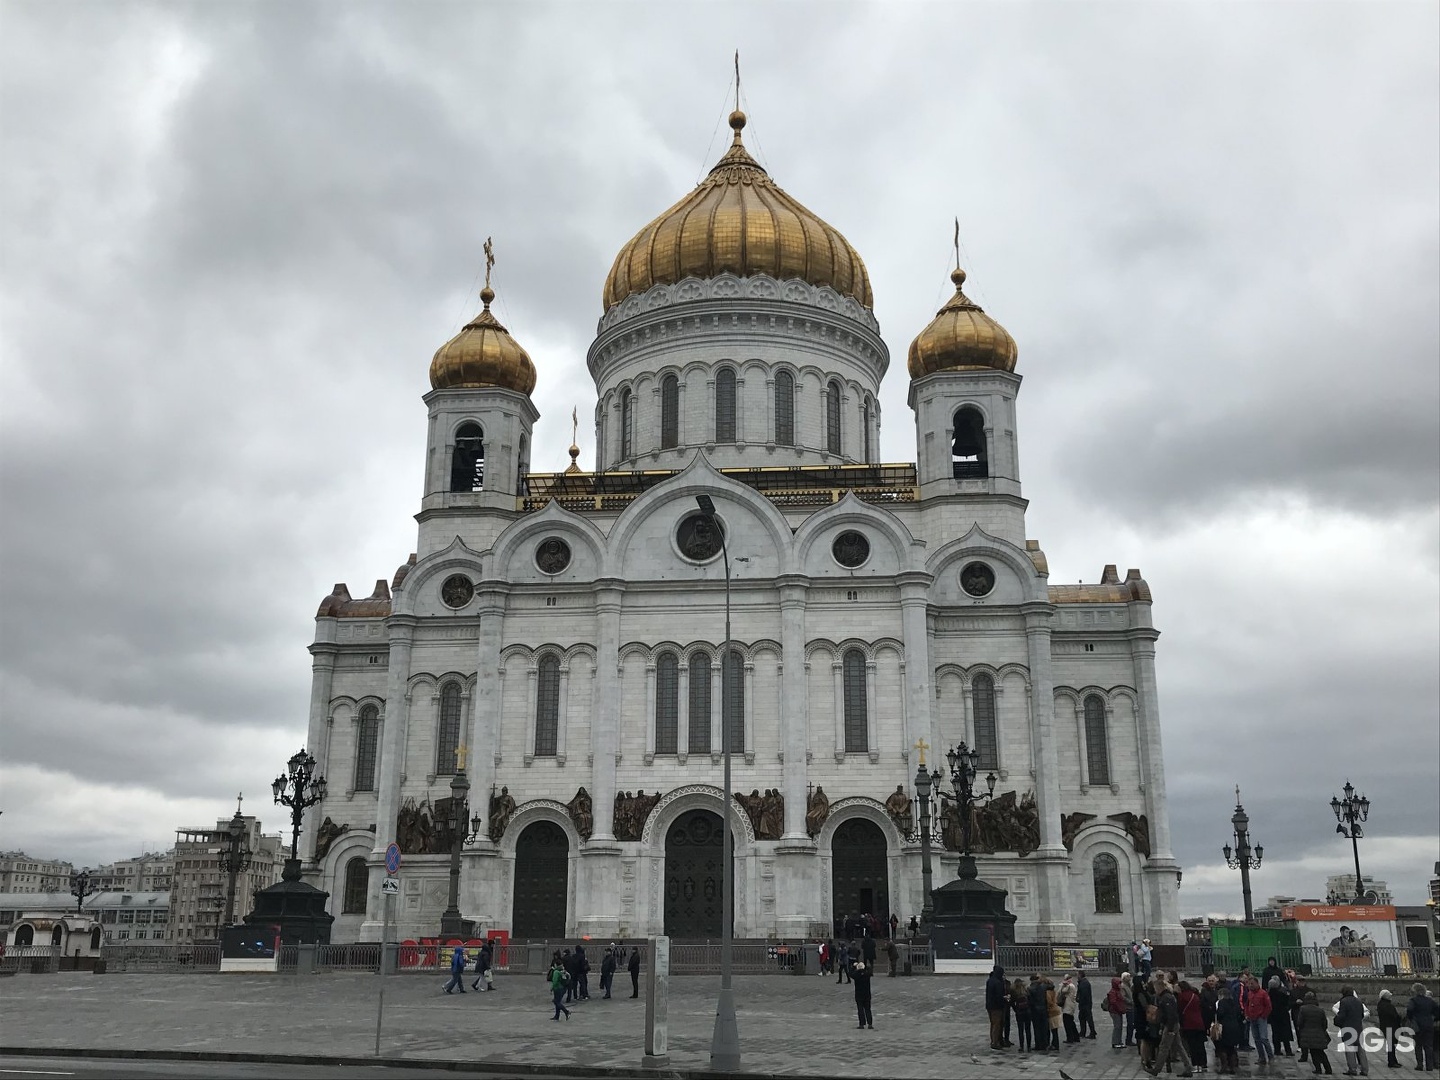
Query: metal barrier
x=1315, y=961
x=33, y=959
x=171, y=958
x=359, y=957
x=1018, y=958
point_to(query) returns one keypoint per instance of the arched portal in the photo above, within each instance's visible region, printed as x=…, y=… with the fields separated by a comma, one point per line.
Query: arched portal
x=542, y=873
x=694, y=854
x=95, y=939
x=859, y=878
x=24, y=936
x=57, y=936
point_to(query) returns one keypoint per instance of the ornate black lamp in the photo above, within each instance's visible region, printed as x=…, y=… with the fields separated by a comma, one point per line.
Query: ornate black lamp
x=234, y=859
x=1242, y=857
x=964, y=766
x=452, y=923
x=925, y=832
x=81, y=887
x=298, y=788
x=1350, y=813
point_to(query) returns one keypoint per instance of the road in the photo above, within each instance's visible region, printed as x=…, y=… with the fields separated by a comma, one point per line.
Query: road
x=36, y=1068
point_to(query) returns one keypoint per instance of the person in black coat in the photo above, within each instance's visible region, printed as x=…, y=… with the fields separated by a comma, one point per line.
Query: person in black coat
x=1390, y=1019
x=996, y=1005
x=1282, y=1034
x=1039, y=1012
x=1423, y=1014
x=607, y=971
x=635, y=972
x=1231, y=1019
x=1085, y=1001
x=582, y=972
x=860, y=976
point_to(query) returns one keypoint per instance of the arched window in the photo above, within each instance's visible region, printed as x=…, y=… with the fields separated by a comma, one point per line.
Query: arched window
x=1106, y=872
x=857, y=707
x=1097, y=751
x=447, y=736
x=832, y=417
x=725, y=405
x=784, y=409
x=968, y=454
x=866, y=411
x=667, y=704
x=24, y=936
x=467, y=466
x=96, y=938
x=357, y=884
x=627, y=422
x=57, y=936
x=367, y=745
x=547, y=706
x=522, y=467
x=982, y=700
x=734, y=676
x=669, y=412
x=699, y=704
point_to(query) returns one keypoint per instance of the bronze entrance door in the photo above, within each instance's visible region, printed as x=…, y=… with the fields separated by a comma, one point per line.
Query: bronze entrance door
x=859, y=871
x=694, y=854
x=542, y=882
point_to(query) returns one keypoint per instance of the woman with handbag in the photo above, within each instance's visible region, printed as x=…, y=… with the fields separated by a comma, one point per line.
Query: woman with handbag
x=1114, y=1004
x=1228, y=1031
x=1192, y=1025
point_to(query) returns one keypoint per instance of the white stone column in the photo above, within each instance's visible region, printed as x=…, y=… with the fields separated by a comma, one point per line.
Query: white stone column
x=317, y=738
x=605, y=718
x=770, y=410
x=794, y=708
x=717, y=698
x=401, y=629
x=837, y=681
x=562, y=719
x=1162, y=901
x=486, y=701
x=682, y=714
x=747, y=711
x=914, y=598
x=872, y=718
x=532, y=698
x=1055, y=920
x=651, y=734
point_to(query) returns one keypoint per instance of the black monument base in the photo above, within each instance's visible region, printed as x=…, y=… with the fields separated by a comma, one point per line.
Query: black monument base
x=292, y=910
x=969, y=921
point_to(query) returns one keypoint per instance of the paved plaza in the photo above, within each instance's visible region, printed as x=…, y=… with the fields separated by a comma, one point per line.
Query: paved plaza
x=925, y=1026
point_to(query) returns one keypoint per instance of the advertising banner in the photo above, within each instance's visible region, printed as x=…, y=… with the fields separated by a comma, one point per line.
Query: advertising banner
x=1075, y=959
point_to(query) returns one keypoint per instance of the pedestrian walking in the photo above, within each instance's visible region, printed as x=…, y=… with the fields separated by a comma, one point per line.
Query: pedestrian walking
x=1390, y=1019
x=1350, y=1021
x=1230, y=1019
x=482, y=969
x=860, y=976
x=607, y=971
x=1171, y=1046
x=1312, y=1034
x=559, y=983
x=457, y=970
x=892, y=953
x=582, y=973
x=634, y=967
x=1256, y=1006
x=1114, y=1003
x=1192, y=1025
x=1020, y=1006
x=1069, y=1009
x=1145, y=955
x=996, y=1004
x=1127, y=995
x=1282, y=1028
x=1422, y=1012
x=1085, y=1005
x=842, y=961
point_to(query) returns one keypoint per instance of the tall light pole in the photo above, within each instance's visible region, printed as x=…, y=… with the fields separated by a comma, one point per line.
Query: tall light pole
x=451, y=923
x=80, y=887
x=1242, y=858
x=923, y=785
x=964, y=765
x=298, y=788
x=234, y=859
x=1350, y=812
x=725, y=1041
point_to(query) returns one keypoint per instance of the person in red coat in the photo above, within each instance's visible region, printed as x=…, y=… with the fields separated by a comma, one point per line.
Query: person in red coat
x=1257, y=1016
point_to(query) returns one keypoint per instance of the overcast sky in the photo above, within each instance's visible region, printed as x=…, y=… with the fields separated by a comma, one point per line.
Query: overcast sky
x=233, y=235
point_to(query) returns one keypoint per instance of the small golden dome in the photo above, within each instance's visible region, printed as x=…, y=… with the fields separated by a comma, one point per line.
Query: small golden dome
x=961, y=336
x=737, y=221
x=482, y=354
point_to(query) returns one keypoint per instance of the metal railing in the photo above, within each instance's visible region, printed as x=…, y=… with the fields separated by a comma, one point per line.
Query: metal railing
x=160, y=958
x=359, y=957
x=34, y=959
x=1315, y=961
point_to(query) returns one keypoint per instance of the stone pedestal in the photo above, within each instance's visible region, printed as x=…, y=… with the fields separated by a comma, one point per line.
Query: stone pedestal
x=291, y=910
x=970, y=920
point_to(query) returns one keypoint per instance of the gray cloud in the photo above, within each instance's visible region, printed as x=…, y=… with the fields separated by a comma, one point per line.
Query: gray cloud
x=233, y=236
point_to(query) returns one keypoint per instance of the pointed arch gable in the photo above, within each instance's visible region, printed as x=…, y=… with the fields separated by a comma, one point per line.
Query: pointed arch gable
x=589, y=545
x=695, y=797
x=861, y=806
x=907, y=554
x=458, y=556
x=977, y=543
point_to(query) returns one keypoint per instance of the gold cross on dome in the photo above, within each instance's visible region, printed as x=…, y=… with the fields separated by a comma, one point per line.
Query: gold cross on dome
x=922, y=746
x=460, y=753
x=489, y=260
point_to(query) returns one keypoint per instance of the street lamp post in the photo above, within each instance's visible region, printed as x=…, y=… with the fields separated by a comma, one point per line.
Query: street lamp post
x=1350, y=812
x=923, y=785
x=725, y=1041
x=1242, y=858
x=234, y=859
x=964, y=765
x=298, y=788
x=81, y=887
x=451, y=923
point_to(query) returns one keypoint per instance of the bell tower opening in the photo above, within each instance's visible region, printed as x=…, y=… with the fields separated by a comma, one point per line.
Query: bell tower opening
x=969, y=456
x=467, y=466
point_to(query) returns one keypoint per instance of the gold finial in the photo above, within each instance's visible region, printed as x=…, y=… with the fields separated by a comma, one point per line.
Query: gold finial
x=574, y=466
x=487, y=294
x=460, y=755
x=957, y=275
x=922, y=746
x=737, y=118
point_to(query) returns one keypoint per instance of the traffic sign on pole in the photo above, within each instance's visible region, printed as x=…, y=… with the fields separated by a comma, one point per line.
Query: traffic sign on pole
x=390, y=885
x=392, y=858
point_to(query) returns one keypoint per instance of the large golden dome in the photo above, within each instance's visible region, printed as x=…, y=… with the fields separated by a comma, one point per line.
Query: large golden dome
x=961, y=336
x=737, y=221
x=482, y=354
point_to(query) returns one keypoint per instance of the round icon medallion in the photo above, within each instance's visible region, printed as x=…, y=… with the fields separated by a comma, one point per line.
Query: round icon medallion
x=457, y=591
x=850, y=549
x=698, y=537
x=552, y=555
x=977, y=579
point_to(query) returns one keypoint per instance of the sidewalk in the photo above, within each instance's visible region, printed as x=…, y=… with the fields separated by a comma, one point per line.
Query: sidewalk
x=925, y=1026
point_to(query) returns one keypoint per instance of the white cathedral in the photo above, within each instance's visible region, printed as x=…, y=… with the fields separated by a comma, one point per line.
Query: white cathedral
x=560, y=637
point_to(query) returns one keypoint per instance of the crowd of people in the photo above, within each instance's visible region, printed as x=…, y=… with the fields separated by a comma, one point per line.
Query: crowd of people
x=1177, y=1025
